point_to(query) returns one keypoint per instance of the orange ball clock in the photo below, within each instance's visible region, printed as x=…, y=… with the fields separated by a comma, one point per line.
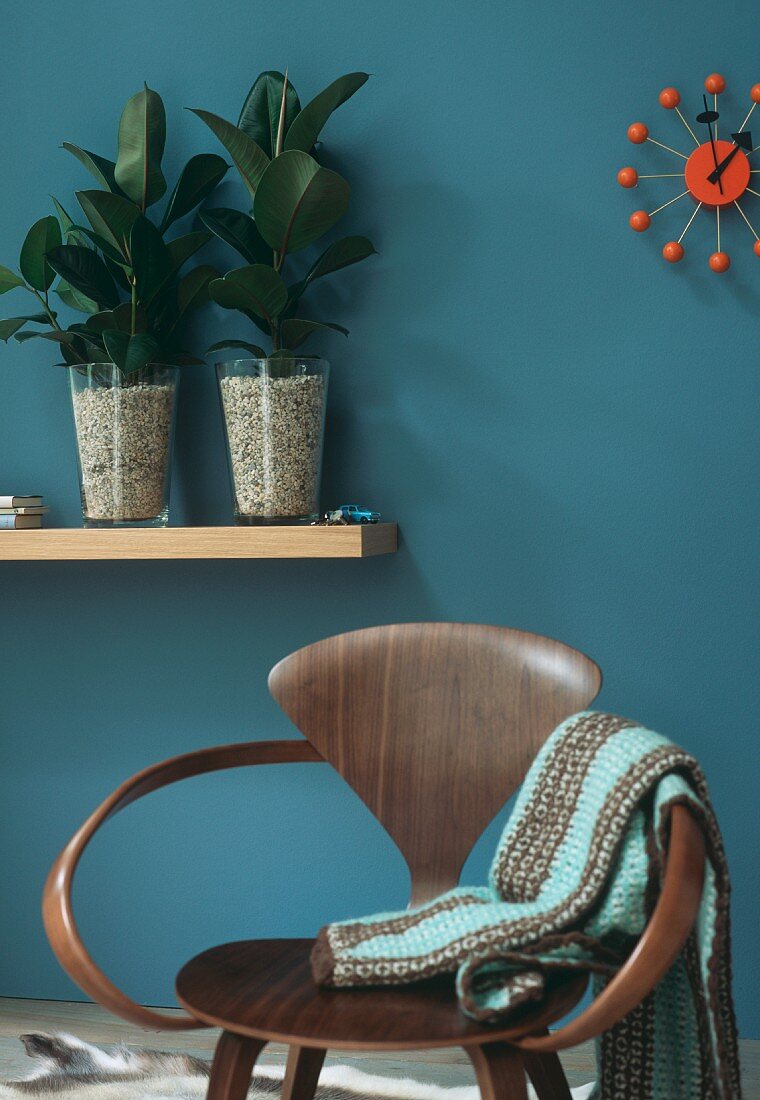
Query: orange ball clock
x=715, y=174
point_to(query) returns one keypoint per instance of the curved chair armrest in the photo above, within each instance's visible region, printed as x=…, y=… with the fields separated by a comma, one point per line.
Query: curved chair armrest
x=56, y=905
x=661, y=942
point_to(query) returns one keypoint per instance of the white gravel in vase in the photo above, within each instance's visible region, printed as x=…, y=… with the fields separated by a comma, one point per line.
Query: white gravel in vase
x=123, y=440
x=274, y=432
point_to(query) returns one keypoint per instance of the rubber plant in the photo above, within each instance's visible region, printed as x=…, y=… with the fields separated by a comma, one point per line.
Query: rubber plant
x=117, y=267
x=295, y=202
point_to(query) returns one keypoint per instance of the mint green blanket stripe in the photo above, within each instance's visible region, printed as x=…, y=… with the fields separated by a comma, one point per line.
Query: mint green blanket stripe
x=572, y=884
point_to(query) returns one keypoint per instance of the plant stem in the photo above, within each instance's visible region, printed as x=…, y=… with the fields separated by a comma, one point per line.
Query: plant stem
x=134, y=304
x=279, y=258
x=44, y=303
x=280, y=140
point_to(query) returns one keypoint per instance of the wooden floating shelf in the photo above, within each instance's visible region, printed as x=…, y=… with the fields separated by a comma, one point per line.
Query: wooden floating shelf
x=96, y=544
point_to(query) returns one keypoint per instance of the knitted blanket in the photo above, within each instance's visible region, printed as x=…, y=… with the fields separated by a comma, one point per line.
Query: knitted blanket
x=574, y=880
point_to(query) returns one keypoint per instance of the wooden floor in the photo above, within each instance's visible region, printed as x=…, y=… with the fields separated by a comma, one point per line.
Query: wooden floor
x=444, y=1067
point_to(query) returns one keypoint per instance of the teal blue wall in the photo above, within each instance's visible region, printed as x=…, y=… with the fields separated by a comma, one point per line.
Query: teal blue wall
x=565, y=427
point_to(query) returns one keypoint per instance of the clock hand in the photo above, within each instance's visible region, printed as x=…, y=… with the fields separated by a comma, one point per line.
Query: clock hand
x=709, y=117
x=743, y=141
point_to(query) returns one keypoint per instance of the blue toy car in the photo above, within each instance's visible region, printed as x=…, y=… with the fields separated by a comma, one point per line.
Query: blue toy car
x=354, y=514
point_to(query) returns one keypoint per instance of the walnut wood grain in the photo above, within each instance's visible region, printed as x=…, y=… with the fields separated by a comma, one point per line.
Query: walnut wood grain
x=57, y=908
x=302, y=1071
x=265, y=989
x=546, y=1075
x=232, y=1067
x=434, y=725
x=302, y=541
x=499, y=1071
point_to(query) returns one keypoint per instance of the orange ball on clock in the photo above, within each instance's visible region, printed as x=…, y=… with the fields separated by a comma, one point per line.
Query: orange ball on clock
x=628, y=177
x=639, y=220
x=719, y=262
x=670, y=98
x=673, y=252
x=638, y=133
x=715, y=84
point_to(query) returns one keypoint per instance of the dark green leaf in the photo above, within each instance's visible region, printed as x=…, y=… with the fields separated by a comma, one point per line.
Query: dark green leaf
x=142, y=136
x=13, y=324
x=84, y=236
x=254, y=349
x=99, y=167
x=257, y=288
x=123, y=317
x=44, y=235
x=179, y=252
x=76, y=353
x=130, y=353
x=260, y=115
x=297, y=329
x=65, y=220
x=55, y=335
x=248, y=157
x=349, y=250
x=182, y=248
x=297, y=201
x=151, y=261
x=9, y=279
x=74, y=299
x=199, y=177
x=118, y=274
x=72, y=234
x=102, y=321
x=111, y=217
x=119, y=318
x=192, y=291
x=308, y=124
x=238, y=230
x=86, y=272
x=92, y=339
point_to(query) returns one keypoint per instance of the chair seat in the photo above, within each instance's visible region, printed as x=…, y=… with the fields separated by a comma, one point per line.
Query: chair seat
x=264, y=988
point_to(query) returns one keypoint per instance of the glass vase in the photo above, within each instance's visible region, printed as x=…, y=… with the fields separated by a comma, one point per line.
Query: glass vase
x=274, y=418
x=125, y=433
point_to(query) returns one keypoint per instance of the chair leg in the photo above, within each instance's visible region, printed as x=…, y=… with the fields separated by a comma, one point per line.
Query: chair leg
x=302, y=1073
x=234, y=1059
x=547, y=1075
x=499, y=1070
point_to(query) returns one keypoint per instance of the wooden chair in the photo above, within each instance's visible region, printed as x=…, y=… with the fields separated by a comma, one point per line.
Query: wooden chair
x=434, y=725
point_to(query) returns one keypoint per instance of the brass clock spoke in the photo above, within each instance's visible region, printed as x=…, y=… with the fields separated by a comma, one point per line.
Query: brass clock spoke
x=687, y=227
x=749, y=115
x=681, y=155
x=749, y=223
x=668, y=203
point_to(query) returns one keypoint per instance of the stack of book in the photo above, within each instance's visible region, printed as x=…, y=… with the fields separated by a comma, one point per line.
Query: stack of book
x=21, y=512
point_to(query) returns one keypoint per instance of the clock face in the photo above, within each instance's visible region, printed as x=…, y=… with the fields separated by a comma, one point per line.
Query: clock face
x=713, y=175
x=700, y=168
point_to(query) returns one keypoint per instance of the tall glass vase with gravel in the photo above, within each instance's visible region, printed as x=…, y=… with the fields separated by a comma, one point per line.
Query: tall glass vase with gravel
x=274, y=418
x=124, y=430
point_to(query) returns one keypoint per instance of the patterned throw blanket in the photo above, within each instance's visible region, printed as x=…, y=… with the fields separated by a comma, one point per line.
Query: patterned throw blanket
x=573, y=882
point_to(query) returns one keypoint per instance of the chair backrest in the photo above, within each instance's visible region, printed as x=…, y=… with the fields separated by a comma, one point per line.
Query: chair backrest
x=434, y=725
